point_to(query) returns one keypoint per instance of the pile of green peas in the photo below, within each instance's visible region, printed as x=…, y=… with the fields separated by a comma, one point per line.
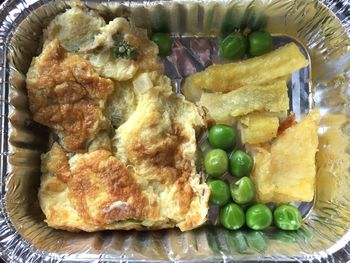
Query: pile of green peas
x=236, y=44
x=240, y=193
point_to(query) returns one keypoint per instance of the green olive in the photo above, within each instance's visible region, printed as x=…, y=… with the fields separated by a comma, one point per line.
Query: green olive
x=287, y=217
x=220, y=192
x=232, y=216
x=242, y=191
x=241, y=164
x=260, y=42
x=163, y=42
x=216, y=162
x=258, y=217
x=233, y=46
x=222, y=136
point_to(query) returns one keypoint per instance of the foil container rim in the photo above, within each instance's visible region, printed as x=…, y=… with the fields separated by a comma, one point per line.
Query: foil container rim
x=9, y=237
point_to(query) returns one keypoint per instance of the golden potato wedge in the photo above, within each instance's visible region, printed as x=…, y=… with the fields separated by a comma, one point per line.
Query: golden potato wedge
x=224, y=107
x=258, y=128
x=259, y=70
x=286, y=171
x=261, y=173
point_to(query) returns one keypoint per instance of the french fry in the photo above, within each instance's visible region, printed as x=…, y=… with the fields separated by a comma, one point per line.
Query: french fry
x=258, y=128
x=255, y=71
x=224, y=107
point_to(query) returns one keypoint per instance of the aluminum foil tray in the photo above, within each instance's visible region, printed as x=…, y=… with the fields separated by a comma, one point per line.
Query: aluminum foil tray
x=321, y=29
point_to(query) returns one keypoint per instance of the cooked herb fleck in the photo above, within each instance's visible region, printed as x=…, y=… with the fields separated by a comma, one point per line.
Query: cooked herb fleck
x=123, y=50
x=133, y=220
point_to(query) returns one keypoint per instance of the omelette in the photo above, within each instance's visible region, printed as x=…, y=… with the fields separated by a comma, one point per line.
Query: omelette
x=126, y=146
x=68, y=95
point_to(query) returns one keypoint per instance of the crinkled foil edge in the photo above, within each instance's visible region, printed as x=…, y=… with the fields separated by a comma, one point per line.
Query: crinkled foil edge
x=13, y=247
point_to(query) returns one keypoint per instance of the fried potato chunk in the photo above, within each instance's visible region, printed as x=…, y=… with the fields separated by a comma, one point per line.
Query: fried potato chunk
x=285, y=172
x=224, y=107
x=66, y=94
x=255, y=71
x=258, y=128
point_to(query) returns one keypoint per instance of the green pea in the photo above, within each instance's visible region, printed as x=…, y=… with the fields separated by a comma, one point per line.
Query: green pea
x=232, y=216
x=260, y=42
x=210, y=179
x=163, y=42
x=233, y=46
x=241, y=164
x=258, y=217
x=242, y=191
x=222, y=136
x=216, y=162
x=287, y=217
x=220, y=192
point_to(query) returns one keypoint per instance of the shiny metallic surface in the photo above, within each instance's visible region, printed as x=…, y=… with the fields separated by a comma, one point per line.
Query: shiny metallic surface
x=322, y=28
